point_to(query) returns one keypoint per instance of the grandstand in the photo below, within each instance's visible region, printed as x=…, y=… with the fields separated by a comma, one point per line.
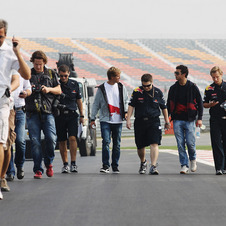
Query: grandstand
x=92, y=57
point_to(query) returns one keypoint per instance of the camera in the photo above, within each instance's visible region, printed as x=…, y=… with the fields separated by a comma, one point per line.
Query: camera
x=61, y=106
x=57, y=107
x=56, y=104
x=36, y=89
x=223, y=105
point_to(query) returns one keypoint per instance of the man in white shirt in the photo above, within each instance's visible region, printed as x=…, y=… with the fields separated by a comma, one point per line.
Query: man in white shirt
x=15, y=82
x=112, y=101
x=23, y=91
x=10, y=58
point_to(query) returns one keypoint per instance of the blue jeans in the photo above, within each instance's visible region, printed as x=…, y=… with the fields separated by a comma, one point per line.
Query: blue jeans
x=20, y=143
x=185, y=133
x=36, y=123
x=108, y=130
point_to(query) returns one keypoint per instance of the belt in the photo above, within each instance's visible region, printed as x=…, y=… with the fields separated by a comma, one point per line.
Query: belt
x=65, y=112
x=19, y=108
x=148, y=118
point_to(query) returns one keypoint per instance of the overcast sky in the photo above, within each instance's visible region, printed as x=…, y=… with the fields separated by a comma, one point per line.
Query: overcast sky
x=115, y=18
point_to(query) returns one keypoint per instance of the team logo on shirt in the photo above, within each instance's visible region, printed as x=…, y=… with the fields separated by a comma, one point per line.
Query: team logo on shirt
x=73, y=91
x=138, y=89
x=209, y=88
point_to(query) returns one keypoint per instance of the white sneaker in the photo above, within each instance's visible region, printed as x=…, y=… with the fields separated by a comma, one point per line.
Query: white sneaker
x=184, y=170
x=65, y=169
x=73, y=169
x=4, y=185
x=193, y=165
x=1, y=196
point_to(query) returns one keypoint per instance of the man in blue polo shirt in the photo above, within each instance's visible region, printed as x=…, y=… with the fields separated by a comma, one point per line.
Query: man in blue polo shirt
x=67, y=121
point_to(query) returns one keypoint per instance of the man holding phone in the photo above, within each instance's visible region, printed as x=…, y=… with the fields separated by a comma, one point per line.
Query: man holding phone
x=10, y=58
x=214, y=99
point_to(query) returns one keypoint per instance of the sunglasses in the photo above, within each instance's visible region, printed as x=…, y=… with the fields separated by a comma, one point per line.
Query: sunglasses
x=176, y=73
x=146, y=85
x=63, y=76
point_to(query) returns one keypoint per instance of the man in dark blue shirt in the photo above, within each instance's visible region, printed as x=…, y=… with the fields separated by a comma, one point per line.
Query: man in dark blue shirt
x=214, y=99
x=147, y=101
x=67, y=121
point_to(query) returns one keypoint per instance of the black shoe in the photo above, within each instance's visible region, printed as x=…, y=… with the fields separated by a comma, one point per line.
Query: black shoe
x=104, y=169
x=219, y=172
x=20, y=173
x=9, y=177
x=115, y=170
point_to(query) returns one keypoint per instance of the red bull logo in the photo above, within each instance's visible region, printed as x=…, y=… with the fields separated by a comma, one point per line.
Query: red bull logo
x=209, y=88
x=138, y=89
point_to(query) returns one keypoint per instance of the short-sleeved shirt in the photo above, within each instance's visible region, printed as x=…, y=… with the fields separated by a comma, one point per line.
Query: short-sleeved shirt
x=145, y=105
x=24, y=85
x=8, y=61
x=71, y=93
x=215, y=92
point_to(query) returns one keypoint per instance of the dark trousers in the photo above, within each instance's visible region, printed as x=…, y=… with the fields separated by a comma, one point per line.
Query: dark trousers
x=218, y=141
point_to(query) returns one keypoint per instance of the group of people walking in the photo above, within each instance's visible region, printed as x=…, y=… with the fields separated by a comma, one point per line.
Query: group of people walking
x=52, y=105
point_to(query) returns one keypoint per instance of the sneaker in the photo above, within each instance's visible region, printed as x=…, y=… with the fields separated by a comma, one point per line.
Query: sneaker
x=4, y=185
x=1, y=196
x=153, y=170
x=20, y=173
x=143, y=167
x=105, y=169
x=184, y=170
x=9, y=177
x=65, y=169
x=219, y=172
x=224, y=171
x=73, y=169
x=38, y=175
x=193, y=165
x=115, y=170
x=49, y=170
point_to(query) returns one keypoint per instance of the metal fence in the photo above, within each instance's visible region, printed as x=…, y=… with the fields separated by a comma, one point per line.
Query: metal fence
x=127, y=133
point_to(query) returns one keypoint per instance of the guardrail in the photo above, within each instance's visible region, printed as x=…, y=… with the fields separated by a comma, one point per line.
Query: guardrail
x=128, y=133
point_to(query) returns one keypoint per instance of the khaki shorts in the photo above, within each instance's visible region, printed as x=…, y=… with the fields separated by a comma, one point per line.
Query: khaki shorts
x=4, y=116
x=11, y=134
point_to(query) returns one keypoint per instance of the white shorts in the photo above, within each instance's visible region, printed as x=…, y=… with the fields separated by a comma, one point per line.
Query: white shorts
x=4, y=119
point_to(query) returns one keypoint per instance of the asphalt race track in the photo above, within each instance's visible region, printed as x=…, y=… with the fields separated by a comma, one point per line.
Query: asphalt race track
x=91, y=198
